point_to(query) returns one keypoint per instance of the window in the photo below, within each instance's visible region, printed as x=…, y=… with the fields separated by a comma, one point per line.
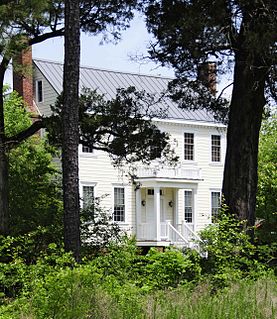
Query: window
x=39, y=91
x=216, y=148
x=119, y=205
x=188, y=206
x=150, y=191
x=215, y=204
x=189, y=146
x=87, y=149
x=88, y=196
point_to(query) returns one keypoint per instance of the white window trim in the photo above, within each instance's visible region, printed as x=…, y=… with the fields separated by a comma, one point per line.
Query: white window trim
x=81, y=184
x=42, y=89
x=194, y=161
x=86, y=154
x=125, y=208
x=213, y=163
x=213, y=190
x=193, y=192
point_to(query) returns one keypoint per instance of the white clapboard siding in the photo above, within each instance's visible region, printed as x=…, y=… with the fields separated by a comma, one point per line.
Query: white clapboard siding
x=96, y=169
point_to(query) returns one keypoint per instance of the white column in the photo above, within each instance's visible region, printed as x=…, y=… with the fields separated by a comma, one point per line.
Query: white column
x=138, y=213
x=176, y=206
x=157, y=212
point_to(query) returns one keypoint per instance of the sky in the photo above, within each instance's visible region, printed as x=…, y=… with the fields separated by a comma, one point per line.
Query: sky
x=119, y=57
x=108, y=55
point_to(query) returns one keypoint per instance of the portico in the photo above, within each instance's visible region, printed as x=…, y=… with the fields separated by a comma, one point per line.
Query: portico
x=160, y=216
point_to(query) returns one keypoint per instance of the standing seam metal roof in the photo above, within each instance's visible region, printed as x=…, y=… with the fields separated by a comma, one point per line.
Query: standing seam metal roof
x=107, y=82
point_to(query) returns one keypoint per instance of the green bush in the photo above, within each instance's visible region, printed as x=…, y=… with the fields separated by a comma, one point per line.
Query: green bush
x=169, y=269
x=231, y=255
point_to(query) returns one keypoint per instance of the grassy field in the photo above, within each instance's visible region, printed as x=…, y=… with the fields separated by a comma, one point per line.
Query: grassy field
x=242, y=300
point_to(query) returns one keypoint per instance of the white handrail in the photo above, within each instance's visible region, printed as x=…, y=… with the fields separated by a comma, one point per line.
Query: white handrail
x=178, y=233
x=184, y=224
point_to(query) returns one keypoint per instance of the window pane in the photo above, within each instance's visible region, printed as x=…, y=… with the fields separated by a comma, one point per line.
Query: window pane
x=39, y=91
x=119, y=204
x=87, y=149
x=215, y=201
x=216, y=148
x=189, y=146
x=88, y=196
x=188, y=206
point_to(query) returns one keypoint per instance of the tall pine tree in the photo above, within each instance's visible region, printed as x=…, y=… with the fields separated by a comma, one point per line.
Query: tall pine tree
x=239, y=35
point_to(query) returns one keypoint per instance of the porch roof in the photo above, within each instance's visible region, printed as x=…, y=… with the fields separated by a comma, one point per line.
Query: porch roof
x=167, y=182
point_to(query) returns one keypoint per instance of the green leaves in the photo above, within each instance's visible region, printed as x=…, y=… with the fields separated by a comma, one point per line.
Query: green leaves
x=121, y=126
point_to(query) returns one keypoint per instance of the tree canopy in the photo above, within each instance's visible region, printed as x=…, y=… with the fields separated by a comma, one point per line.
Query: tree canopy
x=25, y=23
x=121, y=126
x=240, y=37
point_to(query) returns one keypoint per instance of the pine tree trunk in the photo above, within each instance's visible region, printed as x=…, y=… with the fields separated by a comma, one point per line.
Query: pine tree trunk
x=70, y=120
x=4, y=220
x=4, y=190
x=246, y=109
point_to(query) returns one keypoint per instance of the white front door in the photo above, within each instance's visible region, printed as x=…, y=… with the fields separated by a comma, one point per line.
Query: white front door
x=151, y=214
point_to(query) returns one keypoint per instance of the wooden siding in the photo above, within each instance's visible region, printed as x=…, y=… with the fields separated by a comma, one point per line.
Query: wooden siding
x=97, y=169
x=49, y=94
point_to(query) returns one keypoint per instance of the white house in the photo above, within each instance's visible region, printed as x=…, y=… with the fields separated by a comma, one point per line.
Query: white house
x=164, y=205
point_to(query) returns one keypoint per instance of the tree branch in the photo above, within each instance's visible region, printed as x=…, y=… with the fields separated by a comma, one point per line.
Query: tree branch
x=45, y=36
x=15, y=140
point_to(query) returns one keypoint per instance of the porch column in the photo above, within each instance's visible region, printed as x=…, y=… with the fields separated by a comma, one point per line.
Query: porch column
x=176, y=207
x=157, y=211
x=138, y=213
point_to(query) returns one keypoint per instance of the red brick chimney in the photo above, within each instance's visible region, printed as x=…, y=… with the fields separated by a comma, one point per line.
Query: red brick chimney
x=207, y=75
x=23, y=78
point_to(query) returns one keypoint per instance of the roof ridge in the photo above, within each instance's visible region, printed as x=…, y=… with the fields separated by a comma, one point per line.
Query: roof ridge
x=107, y=69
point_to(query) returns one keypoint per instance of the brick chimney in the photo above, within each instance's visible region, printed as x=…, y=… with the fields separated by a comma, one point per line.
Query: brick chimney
x=207, y=75
x=23, y=78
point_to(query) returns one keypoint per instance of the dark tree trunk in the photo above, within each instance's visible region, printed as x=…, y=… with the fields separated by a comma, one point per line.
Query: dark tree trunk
x=246, y=109
x=4, y=218
x=4, y=190
x=70, y=120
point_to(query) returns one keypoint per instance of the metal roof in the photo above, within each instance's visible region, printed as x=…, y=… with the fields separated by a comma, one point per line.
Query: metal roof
x=107, y=82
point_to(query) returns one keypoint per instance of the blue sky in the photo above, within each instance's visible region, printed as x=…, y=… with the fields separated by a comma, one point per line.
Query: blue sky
x=135, y=41
x=108, y=55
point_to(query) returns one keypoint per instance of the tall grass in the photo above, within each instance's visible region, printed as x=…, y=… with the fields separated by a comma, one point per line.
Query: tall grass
x=82, y=300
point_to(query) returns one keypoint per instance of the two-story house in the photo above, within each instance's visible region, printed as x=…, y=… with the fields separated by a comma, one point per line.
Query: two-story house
x=163, y=205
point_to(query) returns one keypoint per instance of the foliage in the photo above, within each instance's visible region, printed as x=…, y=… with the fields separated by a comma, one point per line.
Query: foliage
x=34, y=187
x=267, y=183
x=161, y=270
x=98, y=229
x=75, y=293
x=189, y=33
x=121, y=126
x=239, y=37
x=231, y=255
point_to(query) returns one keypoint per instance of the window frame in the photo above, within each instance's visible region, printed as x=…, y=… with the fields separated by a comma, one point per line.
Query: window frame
x=39, y=91
x=91, y=150
x=192, y=206
x=86, y=184
x=193, y=146
x=120, y=219
x=218, y=152
x=214, y=216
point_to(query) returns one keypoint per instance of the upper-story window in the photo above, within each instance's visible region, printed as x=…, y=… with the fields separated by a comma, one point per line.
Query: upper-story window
x=119, y=204
x=189, y=146
x=215, y=204
x=39, y=89
x=87, y=149
x=216, y=148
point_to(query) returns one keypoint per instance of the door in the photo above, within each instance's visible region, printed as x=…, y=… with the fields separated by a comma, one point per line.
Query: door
x=151, y=214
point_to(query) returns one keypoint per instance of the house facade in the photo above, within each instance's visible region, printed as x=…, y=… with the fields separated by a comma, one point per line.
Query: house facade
x=162, y=205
